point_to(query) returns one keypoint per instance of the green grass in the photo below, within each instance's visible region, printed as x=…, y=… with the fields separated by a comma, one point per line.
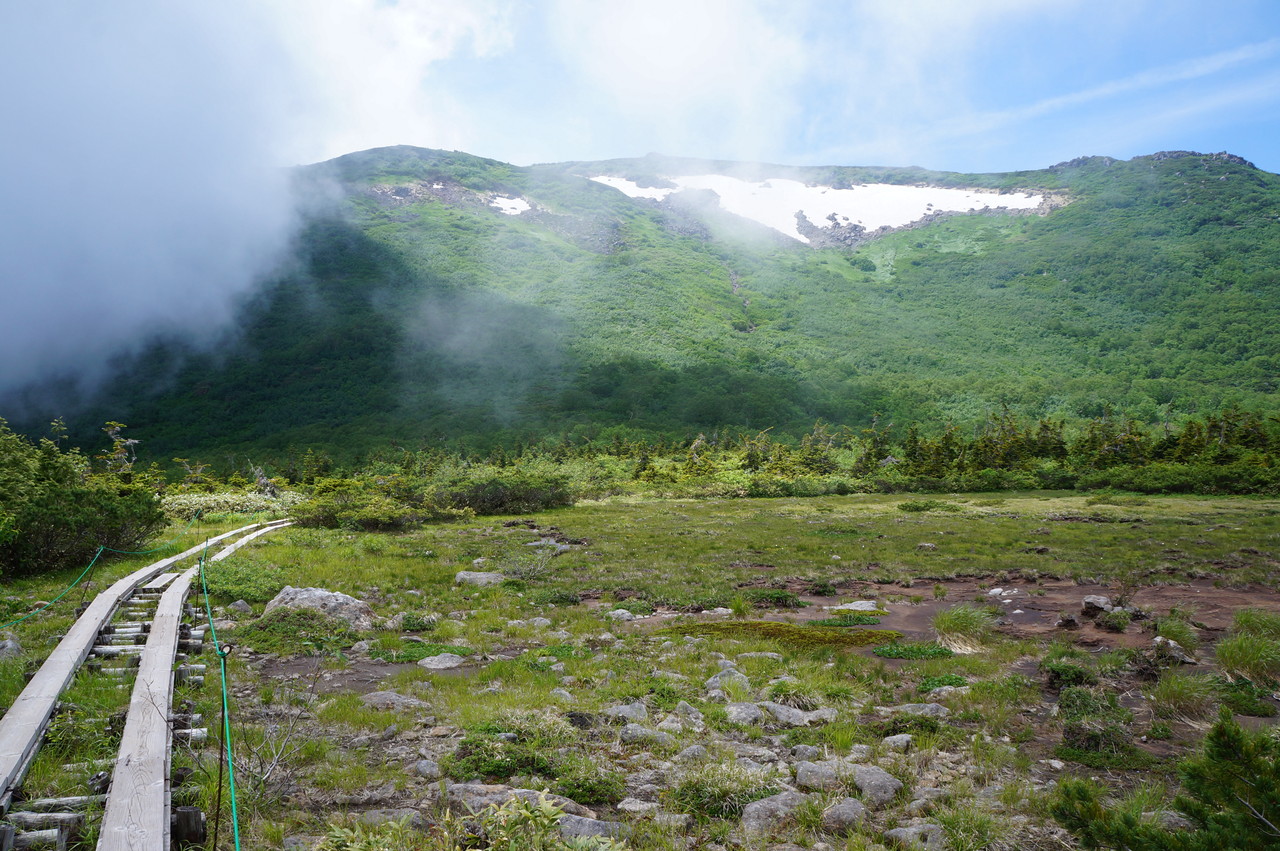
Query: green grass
x=786, y=634
x=1249, y=656
x=1178, y=695
x=916, y=650
x=964, y=628
x=850, y=619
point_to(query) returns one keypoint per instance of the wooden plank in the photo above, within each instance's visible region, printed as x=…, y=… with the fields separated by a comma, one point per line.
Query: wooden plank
x=22, y=727
x=226, y=551
x=159, y=582
x=137, y=814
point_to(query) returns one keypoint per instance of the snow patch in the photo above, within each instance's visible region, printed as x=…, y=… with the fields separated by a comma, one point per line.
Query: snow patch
x=775, y=202
x=510, y=206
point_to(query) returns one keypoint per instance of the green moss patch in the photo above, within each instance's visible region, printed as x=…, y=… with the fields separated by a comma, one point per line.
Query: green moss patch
x=850, y=619
x=919, y=650
x=787, y=633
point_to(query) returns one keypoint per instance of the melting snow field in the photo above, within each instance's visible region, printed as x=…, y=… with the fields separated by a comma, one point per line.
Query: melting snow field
x=511, y=206
x=774, y=202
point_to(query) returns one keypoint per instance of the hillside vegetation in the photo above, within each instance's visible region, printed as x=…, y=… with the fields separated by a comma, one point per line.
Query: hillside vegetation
x=418, y=313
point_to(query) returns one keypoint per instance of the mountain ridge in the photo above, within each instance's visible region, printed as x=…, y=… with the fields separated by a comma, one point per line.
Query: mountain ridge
x=419, y=310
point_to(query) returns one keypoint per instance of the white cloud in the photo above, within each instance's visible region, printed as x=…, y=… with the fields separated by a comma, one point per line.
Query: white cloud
x=716, y=74
x=365, y=69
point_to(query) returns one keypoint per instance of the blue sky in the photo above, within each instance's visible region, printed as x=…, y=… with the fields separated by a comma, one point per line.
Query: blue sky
x=966, y=85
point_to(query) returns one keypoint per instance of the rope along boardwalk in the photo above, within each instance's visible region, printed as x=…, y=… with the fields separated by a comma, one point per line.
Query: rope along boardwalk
x=23, y=726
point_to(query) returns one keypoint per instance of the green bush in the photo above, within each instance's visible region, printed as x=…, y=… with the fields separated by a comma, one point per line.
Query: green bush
x=919, y=505
x=56, y=512
x=509, y=492
x=244, y=579
x=916, y=650
x=1059, y=675
x=1231, y=796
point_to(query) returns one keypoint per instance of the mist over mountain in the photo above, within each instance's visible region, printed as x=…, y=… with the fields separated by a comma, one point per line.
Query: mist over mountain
x=441, y=297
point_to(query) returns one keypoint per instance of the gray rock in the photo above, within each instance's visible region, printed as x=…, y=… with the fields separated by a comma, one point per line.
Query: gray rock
x=745, y=750
x=636, y=807
x=922, y=837
x=821, y=776
x=777, y=657
x=355, y=613
x=479, y=578
x=373, y=818
x=767, y=813
x=878, y=787
x=689, y=713
x=671, y=676
x=843, y=816
x=628, y=711
x=1068, y=621
x=619, y=615
x=463, y=799
x=856, y=606
x=859, y=753
x=928, y=710
x=679, y=821
x=427, y=768
x=743, y=713
x=563, y=695
x=393, y=700
x=442, y=662
x=1094, y=605
x=1170, y=649
x=572, y=826
x=900, y=743
x=693, y=753
x=808, y=752
x=634, y=734
x=724, y=678
x=540, y=622
x=789, y=716
x=947, y=691
x=10, y=648
x=240, y=607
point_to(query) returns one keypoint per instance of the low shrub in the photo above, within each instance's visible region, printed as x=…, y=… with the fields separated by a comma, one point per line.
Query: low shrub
x=287, y=631
x=1116, y=620
x=928, y=684
x=508, y=492
x=1077, y=703
x=1060, y=675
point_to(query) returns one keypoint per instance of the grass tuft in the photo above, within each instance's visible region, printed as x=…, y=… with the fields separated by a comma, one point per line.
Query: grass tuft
x=963, y=628
x=786, y=633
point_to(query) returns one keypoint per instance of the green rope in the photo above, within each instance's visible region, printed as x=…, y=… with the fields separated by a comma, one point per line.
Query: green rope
x=226, y=703
x=64, y=593
x=97, y=556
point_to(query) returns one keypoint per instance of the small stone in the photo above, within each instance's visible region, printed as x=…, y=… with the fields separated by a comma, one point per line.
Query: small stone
x=927, y=710
x=843, y=816
x=240, y=607
x=743, y=713
x=478, y=578
x=1094, y=605
x=636, y=807
x=563, y=695
x=900, y=743
x=1068, y=621
x=922, y=837
x=789, y=716
x=693, y=753
x=541, y=622
x=620, y=615
x=1170, y=649
x=442, y=662
x=777, y=657
x=720, y=680
x=634, y=734
x=573, y=826
x=820, y=776
x=877, y=786
x=679, y=821
x=856, y=606
x=763, y=815
x=628, y=711
x=390, y=700
x=806, y=752
x=9, y=648
x=427, y=768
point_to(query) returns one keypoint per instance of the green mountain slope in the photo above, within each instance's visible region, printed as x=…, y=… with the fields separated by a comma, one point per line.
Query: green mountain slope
x=419, y=312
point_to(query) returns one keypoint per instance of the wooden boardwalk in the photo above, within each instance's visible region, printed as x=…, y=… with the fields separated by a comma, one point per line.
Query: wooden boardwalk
x=137, y=809
x=23, y=726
